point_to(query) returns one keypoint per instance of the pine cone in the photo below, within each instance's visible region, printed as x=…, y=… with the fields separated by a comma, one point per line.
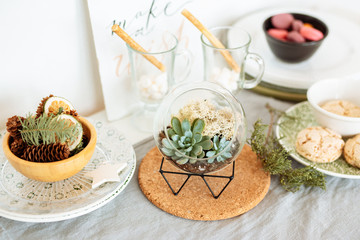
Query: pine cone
x=46, y=153
x=18, y=146
x=13, y=126
x=40, y=109
x=73, y=113
x=85, y=141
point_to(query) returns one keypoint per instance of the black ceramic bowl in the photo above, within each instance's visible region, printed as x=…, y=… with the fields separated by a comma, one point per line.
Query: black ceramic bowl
x=291, y=51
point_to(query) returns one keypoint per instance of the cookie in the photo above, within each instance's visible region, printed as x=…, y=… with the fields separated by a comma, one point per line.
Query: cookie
x=342, y=107
x=354, y=112
x=319, y=144
x=352, y=151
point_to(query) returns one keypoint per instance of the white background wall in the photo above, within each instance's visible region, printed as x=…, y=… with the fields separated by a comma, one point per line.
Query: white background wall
x=46, y=46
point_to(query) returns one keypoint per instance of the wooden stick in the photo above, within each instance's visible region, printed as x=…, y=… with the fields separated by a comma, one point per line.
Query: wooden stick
x=214, y=41
x=121, y=33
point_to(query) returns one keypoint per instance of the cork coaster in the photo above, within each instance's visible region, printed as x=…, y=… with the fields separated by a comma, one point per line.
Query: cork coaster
x=195, y=201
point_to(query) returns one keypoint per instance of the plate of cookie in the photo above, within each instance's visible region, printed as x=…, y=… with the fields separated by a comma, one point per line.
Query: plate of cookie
x=298, y=127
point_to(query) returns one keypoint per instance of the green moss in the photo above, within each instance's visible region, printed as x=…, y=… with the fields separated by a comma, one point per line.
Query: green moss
x=275, y=160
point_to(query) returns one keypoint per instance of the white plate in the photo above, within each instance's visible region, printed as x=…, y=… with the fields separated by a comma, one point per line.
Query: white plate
x=28, y=200
x=297, y=118
x=338, y=56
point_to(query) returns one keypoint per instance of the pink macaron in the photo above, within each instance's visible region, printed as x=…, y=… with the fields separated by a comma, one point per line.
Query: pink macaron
x=311, y=34
x=282, y=21
x=280, y=34
x=296, y=25
x=295, y=36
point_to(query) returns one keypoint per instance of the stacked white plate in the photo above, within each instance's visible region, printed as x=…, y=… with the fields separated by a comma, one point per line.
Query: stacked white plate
x=338, y=56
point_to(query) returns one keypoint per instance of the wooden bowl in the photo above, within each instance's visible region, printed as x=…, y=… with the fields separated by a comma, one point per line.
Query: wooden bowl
x=54, y=171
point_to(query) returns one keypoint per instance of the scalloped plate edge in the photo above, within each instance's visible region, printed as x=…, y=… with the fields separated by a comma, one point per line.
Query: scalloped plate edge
x=77, y=212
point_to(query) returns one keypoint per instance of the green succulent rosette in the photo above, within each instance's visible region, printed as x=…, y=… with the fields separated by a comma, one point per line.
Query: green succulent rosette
x=186, y=144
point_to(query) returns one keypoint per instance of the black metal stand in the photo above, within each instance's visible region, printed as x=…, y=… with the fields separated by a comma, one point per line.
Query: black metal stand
x=195, y=174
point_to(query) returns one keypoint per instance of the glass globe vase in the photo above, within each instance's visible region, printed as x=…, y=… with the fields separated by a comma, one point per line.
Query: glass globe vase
x=200, y=127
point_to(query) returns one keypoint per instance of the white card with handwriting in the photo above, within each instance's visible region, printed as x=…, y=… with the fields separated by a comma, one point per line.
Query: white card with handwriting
x=142, y=17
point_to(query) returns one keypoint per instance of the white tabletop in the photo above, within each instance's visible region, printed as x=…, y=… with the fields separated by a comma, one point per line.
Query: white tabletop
x=310, y=213
x=124, y=125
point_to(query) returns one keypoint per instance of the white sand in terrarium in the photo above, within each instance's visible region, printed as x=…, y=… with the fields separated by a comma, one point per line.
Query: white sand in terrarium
x=217, y=121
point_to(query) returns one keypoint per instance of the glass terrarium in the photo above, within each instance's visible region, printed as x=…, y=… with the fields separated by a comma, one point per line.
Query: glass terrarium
x=200, y=127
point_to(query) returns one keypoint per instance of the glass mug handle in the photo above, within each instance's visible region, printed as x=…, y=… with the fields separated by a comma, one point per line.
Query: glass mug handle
x=260, y=62
x=187, y=68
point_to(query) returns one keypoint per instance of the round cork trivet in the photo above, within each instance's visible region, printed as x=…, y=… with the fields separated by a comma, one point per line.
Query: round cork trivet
x=195, y=201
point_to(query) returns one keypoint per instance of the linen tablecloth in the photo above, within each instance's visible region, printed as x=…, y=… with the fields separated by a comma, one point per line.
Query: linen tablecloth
x=310, y=213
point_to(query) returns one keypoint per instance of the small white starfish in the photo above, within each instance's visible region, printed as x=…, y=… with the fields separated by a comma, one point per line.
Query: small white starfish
x=106, y=173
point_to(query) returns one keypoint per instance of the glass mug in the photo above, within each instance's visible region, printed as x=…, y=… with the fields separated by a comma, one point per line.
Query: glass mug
x=150, y=83
x=226, y=66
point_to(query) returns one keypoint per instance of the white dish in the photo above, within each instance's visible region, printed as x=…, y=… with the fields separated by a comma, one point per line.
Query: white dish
x=28, y=200
x=335, y=89
x=298, y=117
x=338, y=56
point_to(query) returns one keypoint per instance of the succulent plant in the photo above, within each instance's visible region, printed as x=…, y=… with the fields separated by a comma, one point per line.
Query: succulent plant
x=219, y=145
x=186, y=141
